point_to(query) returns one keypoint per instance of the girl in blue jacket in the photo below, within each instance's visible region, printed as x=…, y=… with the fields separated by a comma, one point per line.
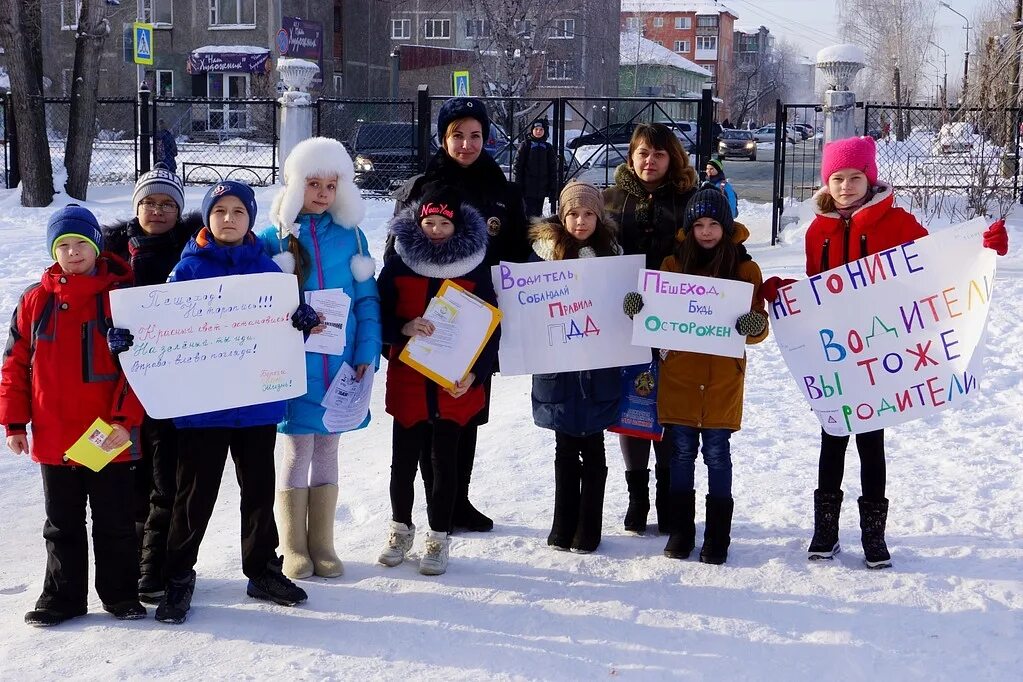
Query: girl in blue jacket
x=315, y=235
x=577, y=406
x=716, y=176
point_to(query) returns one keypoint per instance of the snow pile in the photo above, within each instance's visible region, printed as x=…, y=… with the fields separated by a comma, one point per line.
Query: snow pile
x=230, y=49
x=842, y=53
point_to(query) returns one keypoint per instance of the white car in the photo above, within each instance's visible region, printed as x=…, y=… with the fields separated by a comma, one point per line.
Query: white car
x=766, y=134
x=956, y=138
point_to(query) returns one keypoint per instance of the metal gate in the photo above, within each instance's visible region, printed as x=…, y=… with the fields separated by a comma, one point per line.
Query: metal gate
x=798, y=139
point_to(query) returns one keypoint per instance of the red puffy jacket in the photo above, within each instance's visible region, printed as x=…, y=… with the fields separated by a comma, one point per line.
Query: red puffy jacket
x=877, y=225
x=57, y=371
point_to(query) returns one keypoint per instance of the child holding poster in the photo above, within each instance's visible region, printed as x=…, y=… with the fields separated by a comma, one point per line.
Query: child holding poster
x=856, y=217
x=60, y=381
x=227, y=246
x=577, y=406
x=440, y=238
x=700, y=396
x=315, y=235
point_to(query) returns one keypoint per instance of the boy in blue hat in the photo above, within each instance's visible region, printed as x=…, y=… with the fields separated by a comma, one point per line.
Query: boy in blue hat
x=59, y=375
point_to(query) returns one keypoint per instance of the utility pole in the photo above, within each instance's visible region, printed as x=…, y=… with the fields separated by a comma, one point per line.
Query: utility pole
x=899, y=133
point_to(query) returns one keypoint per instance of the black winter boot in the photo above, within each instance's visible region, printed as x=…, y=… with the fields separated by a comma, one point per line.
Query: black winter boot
x=717, y=535
x=467, y=516
x=662, y=499
x=873, y=517
x=683, y=537
x=826, y=509
x=639, y=500
x=566, y=503
x=591, y=510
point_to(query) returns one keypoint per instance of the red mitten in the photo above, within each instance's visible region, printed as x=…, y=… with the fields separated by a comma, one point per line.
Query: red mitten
x=769, y=289
x=996, y=238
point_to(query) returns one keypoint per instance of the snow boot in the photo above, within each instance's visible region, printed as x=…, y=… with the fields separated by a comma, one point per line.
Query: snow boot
x=48, y=617
x=873, y=517
x=591, y=509
x=638, y=483
x=126, y=610
x=566, y=503
x=322, y=505
x=399, y=542
x=683, y=538
x=292, y=508
x=177, y=599
x=466, y=516
x=718, y=531
x=662, y=499
x=150, y=588
x=435, y=553
x=274, y=586
x=826, y=509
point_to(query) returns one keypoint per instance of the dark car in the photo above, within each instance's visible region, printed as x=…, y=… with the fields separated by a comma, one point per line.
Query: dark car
x=740, y=143
x=385, y=154
x=616, y=133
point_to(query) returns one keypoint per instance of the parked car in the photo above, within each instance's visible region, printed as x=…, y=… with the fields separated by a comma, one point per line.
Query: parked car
x=687, y=132
x=955, y=138
x=385, y=154
x=766, y=134
x=600, y=169
x=738, y=143
x=616, y=133
x=805, y=130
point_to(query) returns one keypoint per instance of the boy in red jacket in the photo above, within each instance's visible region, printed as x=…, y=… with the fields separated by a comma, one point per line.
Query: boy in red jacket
x=59, y=374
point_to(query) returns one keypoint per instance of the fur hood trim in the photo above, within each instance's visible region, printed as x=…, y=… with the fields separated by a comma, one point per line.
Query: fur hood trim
x=458, y=256
x=544, y=234
x=317, y=157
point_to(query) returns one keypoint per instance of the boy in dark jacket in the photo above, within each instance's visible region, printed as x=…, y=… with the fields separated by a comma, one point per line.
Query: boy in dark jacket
x=152, y=242
x=59, y=374
x=536, y=169
x=227, y=247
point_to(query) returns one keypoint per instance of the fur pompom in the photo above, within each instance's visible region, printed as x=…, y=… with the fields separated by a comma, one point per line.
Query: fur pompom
x=363, y=267
x=285, y=261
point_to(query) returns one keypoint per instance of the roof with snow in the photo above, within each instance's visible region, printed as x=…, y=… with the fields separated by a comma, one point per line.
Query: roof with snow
x=635, y=49
x=230, y=49
x=696, y=6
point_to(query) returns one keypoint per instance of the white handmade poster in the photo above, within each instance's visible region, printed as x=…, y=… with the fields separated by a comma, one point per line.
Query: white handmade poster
x=566, y=315
x=211, y=344
x=692, y=313
x=892, y=337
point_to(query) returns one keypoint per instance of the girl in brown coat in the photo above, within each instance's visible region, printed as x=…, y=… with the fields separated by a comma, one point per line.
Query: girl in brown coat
x=699, y=396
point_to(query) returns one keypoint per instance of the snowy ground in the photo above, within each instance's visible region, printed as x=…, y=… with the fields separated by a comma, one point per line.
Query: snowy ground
x=951, y=608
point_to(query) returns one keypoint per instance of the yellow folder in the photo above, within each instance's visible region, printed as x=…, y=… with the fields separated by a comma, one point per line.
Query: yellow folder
x=87, y=451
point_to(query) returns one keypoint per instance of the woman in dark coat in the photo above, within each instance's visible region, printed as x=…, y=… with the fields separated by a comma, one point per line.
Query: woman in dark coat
x=536, y=169
x=648, y=201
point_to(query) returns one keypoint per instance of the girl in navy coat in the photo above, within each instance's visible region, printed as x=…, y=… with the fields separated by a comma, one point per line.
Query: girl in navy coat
x=315, y=235
x=577, y=406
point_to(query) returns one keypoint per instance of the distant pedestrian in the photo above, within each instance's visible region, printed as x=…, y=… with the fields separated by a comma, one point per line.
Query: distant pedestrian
x=716, y=176
x=536, y=169
x=165, y=147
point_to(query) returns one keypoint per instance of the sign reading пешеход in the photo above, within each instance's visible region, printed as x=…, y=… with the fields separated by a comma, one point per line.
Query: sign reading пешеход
x=891, y=337
x=211, y=344
x=691, y=313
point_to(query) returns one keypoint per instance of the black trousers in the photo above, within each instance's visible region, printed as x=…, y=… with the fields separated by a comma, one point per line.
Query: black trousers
x=109, y=493
x=406, y=446
x=636, y=452
x=534, y=206
x=160, y=453
x=202, y=455
x=573, y=450
x=873, y=474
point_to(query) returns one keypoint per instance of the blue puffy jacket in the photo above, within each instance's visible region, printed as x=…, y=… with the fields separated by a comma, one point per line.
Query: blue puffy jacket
x=203, y=258
x=729, y=191
x=332, y=248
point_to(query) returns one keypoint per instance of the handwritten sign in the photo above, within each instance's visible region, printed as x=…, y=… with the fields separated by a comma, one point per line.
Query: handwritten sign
x=211, y=344
x=688, y=312
x=563, y=316
x=891, y=337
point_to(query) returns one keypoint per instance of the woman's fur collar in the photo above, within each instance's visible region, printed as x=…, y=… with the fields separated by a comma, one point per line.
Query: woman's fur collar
x=456, y=257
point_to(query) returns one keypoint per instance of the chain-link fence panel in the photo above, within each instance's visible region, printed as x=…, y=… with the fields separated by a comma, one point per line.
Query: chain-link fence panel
x=114, y=150
x=380, y=135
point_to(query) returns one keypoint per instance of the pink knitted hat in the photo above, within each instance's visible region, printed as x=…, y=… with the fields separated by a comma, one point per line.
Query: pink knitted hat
x=853, y=152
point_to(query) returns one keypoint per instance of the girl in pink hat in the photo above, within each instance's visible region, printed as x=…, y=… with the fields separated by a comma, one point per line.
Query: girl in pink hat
x=856, y=217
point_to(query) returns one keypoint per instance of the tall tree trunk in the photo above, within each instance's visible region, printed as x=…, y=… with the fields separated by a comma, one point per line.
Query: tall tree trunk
x=20, y=35
x=92, y=33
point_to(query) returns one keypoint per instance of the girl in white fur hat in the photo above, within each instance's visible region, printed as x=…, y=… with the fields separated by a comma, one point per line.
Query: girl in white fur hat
x=315, y=235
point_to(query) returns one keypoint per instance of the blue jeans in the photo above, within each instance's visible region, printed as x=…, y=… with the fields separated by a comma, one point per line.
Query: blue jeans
x=717, y=455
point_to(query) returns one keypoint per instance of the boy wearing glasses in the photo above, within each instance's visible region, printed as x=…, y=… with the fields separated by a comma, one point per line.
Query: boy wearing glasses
x=152, y=242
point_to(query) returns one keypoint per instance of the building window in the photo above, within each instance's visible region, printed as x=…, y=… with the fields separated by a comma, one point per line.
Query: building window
x=683, y=23
x=658, y=22
x=233, y=13
x=477, y=28
x=681, y=46
x=339, y=83
x=706, y=42
x=711, y=68
x=228, y=115
x=633, y=23
x=164, y=83
x=560, y=70
x=158, y=12
x=438, y=29
x=401, y=29
x=564, y=28
x=707, y=21
x=524, y=28
x=70, y=10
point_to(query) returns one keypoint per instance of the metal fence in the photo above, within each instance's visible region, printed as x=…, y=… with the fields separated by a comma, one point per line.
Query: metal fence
x=115, y=148
x=798, y=139
x=380, y=135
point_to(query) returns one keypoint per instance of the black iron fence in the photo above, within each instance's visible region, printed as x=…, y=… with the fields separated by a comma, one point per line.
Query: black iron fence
x=115, y=147
x=381, y=136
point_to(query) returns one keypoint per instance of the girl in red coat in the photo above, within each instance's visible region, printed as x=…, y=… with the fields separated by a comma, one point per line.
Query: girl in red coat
x=440, y=238
x=856, y=217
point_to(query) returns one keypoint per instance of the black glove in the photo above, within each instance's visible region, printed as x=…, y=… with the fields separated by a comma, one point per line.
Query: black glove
x=119, y=340
x=305, y=318
x=751, y=323
x=632, y=303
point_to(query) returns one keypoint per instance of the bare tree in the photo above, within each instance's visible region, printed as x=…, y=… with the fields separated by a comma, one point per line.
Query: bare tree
x=92, y=32
x=20, y=35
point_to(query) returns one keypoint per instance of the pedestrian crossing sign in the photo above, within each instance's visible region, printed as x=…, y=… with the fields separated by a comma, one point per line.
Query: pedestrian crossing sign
x=460, y=83
x=143, y=43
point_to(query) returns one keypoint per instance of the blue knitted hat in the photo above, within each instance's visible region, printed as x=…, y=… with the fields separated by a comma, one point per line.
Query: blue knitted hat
x=73, y=220
x=229, y=188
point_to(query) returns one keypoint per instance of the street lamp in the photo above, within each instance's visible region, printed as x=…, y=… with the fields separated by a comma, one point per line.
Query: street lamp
x=944, y=78
x=966, y=56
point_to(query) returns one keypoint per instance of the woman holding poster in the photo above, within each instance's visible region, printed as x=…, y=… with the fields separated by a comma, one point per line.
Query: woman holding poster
x=856, y=217
x=647, y=201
